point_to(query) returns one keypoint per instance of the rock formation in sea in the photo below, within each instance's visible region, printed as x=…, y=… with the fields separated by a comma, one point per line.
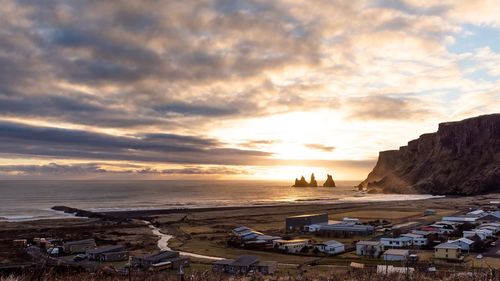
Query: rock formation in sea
x=301, y=183
x=461, y=158
x=313, y=182
x=329, y=182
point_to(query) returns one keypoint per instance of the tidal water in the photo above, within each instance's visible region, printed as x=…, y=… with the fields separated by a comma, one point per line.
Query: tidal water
x=31, y=200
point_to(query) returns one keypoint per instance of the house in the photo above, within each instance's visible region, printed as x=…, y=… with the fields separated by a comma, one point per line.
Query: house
x=396, y=255
x=261, y=242
x=348, y=220
x=20, y=242
x=267, y=238
x=442, y=228
x=43, y=242
x=448, y=251
x=299, y=223
x=108, y=253
x=465, y=244
x=244, y=265
x=75, y=247
x=331, y=247
x=290, y=246
x=244, y=233
x=461, y=219
x=490, y=218
x=369, y=248
x=237, y=231
x=493, y=226
x=147, y=261
x=483, y=233
x=477, y=213
x=344, y=228
x=417, y=239
x=398, y=242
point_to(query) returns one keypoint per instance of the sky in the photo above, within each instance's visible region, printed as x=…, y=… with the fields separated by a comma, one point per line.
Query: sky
x=230, y=89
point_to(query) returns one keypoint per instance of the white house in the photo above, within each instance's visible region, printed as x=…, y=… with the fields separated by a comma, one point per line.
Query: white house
x=443, y=228
x=348, y=220
x=398, y=242
x=396, y=255
x=471, y=233
x=369, y=248
x=290, y=246
x=417, y=239
x=491, y=227
x=313, y=227
x=477, y=213
x=482, y=233
x=464, y=243
x=330, y=247
x=461, y=219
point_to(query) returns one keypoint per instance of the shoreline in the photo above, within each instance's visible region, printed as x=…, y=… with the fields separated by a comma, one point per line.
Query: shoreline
x=65, y=211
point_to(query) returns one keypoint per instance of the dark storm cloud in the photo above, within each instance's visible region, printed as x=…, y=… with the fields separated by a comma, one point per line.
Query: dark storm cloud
x=16, y=139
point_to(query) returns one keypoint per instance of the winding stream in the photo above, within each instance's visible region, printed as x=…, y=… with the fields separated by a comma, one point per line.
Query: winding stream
x=163, y=244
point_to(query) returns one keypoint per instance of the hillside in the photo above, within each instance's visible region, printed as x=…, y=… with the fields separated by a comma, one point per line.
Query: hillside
x=461, y=158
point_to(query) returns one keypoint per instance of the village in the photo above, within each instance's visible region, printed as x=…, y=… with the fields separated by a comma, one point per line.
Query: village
x=456, y=240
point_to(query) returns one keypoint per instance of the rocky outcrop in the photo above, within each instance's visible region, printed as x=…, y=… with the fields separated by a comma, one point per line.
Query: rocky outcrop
x=329, y=181
x=461, y=158
x=303, y=183
x=313, y=182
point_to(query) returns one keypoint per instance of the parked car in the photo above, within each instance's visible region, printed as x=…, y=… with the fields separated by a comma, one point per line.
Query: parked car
x=493, y=244
x=53, y=251
x=80, y=257
x=479, y=256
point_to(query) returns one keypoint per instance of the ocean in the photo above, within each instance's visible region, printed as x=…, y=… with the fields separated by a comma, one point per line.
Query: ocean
x=32, y=200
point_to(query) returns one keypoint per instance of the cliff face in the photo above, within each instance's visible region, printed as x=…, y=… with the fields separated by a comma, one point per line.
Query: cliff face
x=461, y=158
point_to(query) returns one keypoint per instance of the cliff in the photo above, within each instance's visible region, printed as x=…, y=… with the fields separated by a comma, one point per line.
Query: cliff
x=461, y=158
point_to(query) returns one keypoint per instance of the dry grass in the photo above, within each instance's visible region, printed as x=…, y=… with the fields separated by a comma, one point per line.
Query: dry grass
x=370, y=214
x=207, y=275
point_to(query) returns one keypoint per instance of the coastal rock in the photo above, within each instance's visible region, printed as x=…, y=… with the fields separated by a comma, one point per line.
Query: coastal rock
x=301, y=183
x=329, y=182
x=313, y=182
x=461, y=158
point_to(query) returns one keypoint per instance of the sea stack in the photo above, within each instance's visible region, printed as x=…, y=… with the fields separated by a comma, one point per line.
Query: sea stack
x=329, y=181
x=301, y=183
x=313, y=182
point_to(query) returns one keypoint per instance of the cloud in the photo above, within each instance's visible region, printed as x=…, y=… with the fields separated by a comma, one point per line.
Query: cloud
x=17, y=139
x=98, y=169
x=160, y=74
x=321, y=147
x=388, y=108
